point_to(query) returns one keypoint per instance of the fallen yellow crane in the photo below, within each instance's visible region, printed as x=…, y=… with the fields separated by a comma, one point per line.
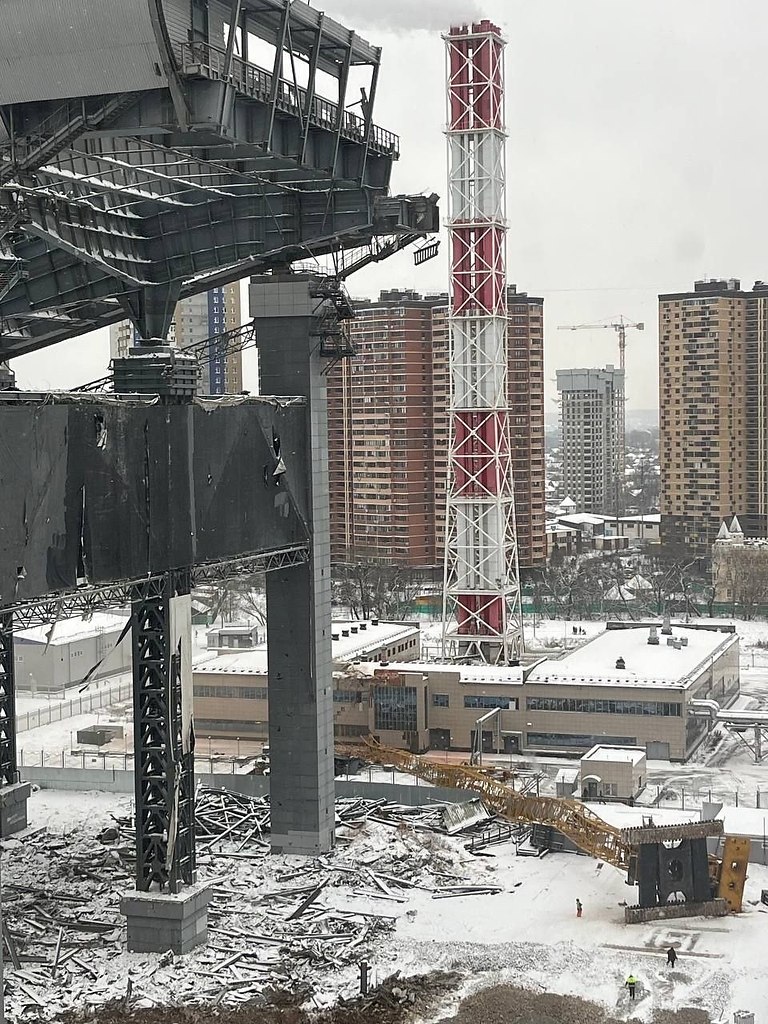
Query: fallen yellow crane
x=571, y=818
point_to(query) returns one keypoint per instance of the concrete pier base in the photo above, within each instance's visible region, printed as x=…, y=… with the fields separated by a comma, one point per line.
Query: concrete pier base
x=13, y=808
x=159, y=921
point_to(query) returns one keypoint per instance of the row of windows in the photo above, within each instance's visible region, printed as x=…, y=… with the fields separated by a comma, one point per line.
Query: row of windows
x=507, y=703
x=564, y=739
x=348, y=696
x=667, y=709
x=238, y=692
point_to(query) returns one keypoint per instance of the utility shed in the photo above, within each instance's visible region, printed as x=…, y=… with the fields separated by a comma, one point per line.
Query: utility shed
x=52, y=657
x=613, y=773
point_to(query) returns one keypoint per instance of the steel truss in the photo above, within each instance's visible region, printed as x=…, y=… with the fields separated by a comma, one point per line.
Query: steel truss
x=164, y=772
x=482, y=612
x=90, y=599
x=118, y=205
x=8, y=765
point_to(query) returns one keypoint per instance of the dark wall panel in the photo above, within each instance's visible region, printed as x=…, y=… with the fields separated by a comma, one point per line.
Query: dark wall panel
x=108, y=489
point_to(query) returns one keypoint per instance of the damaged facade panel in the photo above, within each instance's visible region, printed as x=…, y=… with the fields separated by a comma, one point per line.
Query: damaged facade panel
x=99, y=489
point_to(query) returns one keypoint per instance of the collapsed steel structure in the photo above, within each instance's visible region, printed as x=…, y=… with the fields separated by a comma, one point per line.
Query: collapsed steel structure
x=149, y=150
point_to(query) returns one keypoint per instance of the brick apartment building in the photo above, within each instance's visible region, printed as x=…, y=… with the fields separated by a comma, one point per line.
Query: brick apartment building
x=388, y=426
x=713, y=408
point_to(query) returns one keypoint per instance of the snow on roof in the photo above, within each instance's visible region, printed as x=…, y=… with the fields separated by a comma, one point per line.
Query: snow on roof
x=645, y=664
x=65, y=631
x=560, y=528
x=633, y=755
x=357, y=645
x=583, y=518
x=623, y=816
x=482, y=675
x=744, y=821
x=237, y=628
x=650, y=517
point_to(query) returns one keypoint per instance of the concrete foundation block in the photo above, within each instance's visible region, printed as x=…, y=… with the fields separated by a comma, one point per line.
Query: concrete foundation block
x=13, y=808
x=159, y=921
x=639, y=915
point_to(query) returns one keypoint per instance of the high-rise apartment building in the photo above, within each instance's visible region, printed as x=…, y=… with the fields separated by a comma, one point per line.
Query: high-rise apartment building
x=388, y=487
x=525, y=389
x=592, y=437
x=196, y=319
x=381, y=435
x=713, y=409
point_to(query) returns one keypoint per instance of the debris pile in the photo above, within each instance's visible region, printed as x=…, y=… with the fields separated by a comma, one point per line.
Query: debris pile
x=299, y=925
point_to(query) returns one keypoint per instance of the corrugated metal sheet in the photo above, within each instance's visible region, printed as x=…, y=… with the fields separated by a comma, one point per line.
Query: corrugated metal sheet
x=177, y=20
x=52, y=50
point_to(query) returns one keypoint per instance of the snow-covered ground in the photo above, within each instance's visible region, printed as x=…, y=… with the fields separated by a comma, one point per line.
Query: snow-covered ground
x=527, y=934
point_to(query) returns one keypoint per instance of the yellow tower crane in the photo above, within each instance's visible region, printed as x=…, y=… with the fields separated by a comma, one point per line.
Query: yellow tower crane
x=621, y=325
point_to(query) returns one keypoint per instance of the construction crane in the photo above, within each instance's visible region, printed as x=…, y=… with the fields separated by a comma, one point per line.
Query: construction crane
x=571, y=818
x=620, y=325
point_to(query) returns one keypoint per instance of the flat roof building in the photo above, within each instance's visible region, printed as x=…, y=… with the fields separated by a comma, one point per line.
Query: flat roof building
x=231, y=686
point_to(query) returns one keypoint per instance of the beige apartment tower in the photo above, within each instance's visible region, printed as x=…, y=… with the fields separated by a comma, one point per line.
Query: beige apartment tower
x=713, y=405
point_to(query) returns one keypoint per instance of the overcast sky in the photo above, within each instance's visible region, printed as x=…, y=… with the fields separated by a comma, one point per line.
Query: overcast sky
x=635, y=161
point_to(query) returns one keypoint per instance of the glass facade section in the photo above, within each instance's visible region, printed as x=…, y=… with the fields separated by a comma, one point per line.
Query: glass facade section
x=440, y=700
x=395, y=708
x=667, y=709
x=232, y=692
x=565, y=739
x=480, y=702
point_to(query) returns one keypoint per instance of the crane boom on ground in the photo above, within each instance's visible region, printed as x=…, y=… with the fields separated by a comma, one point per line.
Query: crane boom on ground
x=585, y=829
x=621, y=325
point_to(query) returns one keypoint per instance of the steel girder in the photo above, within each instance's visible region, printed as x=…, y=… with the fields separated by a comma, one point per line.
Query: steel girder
x=223, y=170
x=8, y=766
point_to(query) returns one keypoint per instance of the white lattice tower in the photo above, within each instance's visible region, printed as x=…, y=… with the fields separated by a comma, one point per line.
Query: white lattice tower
x=482, y=593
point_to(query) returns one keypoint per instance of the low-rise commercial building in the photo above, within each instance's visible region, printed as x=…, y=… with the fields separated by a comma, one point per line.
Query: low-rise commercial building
x=631, y=686
x=52, y=657
x=231, y=686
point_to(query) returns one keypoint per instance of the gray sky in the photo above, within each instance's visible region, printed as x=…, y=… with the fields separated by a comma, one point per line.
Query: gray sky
x=635, y=160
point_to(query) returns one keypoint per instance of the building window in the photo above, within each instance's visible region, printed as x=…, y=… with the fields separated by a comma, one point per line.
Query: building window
x=395, y=708
x=348, y=696
x=588, y=705
x=231, y=692
x=440, y=700
x=565, y=739
x=506, y=703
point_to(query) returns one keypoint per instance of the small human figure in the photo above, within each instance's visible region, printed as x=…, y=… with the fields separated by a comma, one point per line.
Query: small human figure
x=579, y=908
x=630, y=983
x=671, y=956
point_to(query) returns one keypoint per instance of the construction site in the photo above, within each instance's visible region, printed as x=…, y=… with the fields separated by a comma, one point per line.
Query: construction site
x=152, y=150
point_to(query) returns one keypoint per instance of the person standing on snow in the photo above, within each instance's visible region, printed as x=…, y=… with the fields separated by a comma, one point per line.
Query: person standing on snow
x=630, y=983
x=671, y=956
x=579, y=908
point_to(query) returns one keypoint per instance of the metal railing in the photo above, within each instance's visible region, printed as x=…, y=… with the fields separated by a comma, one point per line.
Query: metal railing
x=210, y=61
x=80, y=705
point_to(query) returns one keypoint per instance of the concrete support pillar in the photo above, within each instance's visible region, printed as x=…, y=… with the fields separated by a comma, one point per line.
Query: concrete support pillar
x=13, y=793
x=299, y=598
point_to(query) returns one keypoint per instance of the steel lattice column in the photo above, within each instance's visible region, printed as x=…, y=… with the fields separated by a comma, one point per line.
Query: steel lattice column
x=8, y=768
x=163, y=734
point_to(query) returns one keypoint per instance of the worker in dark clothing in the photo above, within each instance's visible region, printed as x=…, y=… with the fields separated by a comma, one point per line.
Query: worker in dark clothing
x=579, y=908
x=631, y=984
x=671, y=956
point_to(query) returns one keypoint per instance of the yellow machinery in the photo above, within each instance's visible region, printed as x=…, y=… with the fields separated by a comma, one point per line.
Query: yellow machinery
x=571, y=818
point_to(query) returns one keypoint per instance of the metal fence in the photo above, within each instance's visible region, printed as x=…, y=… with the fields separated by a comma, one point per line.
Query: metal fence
x=80, y=705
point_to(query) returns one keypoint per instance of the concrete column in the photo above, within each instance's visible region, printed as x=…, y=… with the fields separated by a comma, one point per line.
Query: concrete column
x=13, y=794
x=299, y=598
